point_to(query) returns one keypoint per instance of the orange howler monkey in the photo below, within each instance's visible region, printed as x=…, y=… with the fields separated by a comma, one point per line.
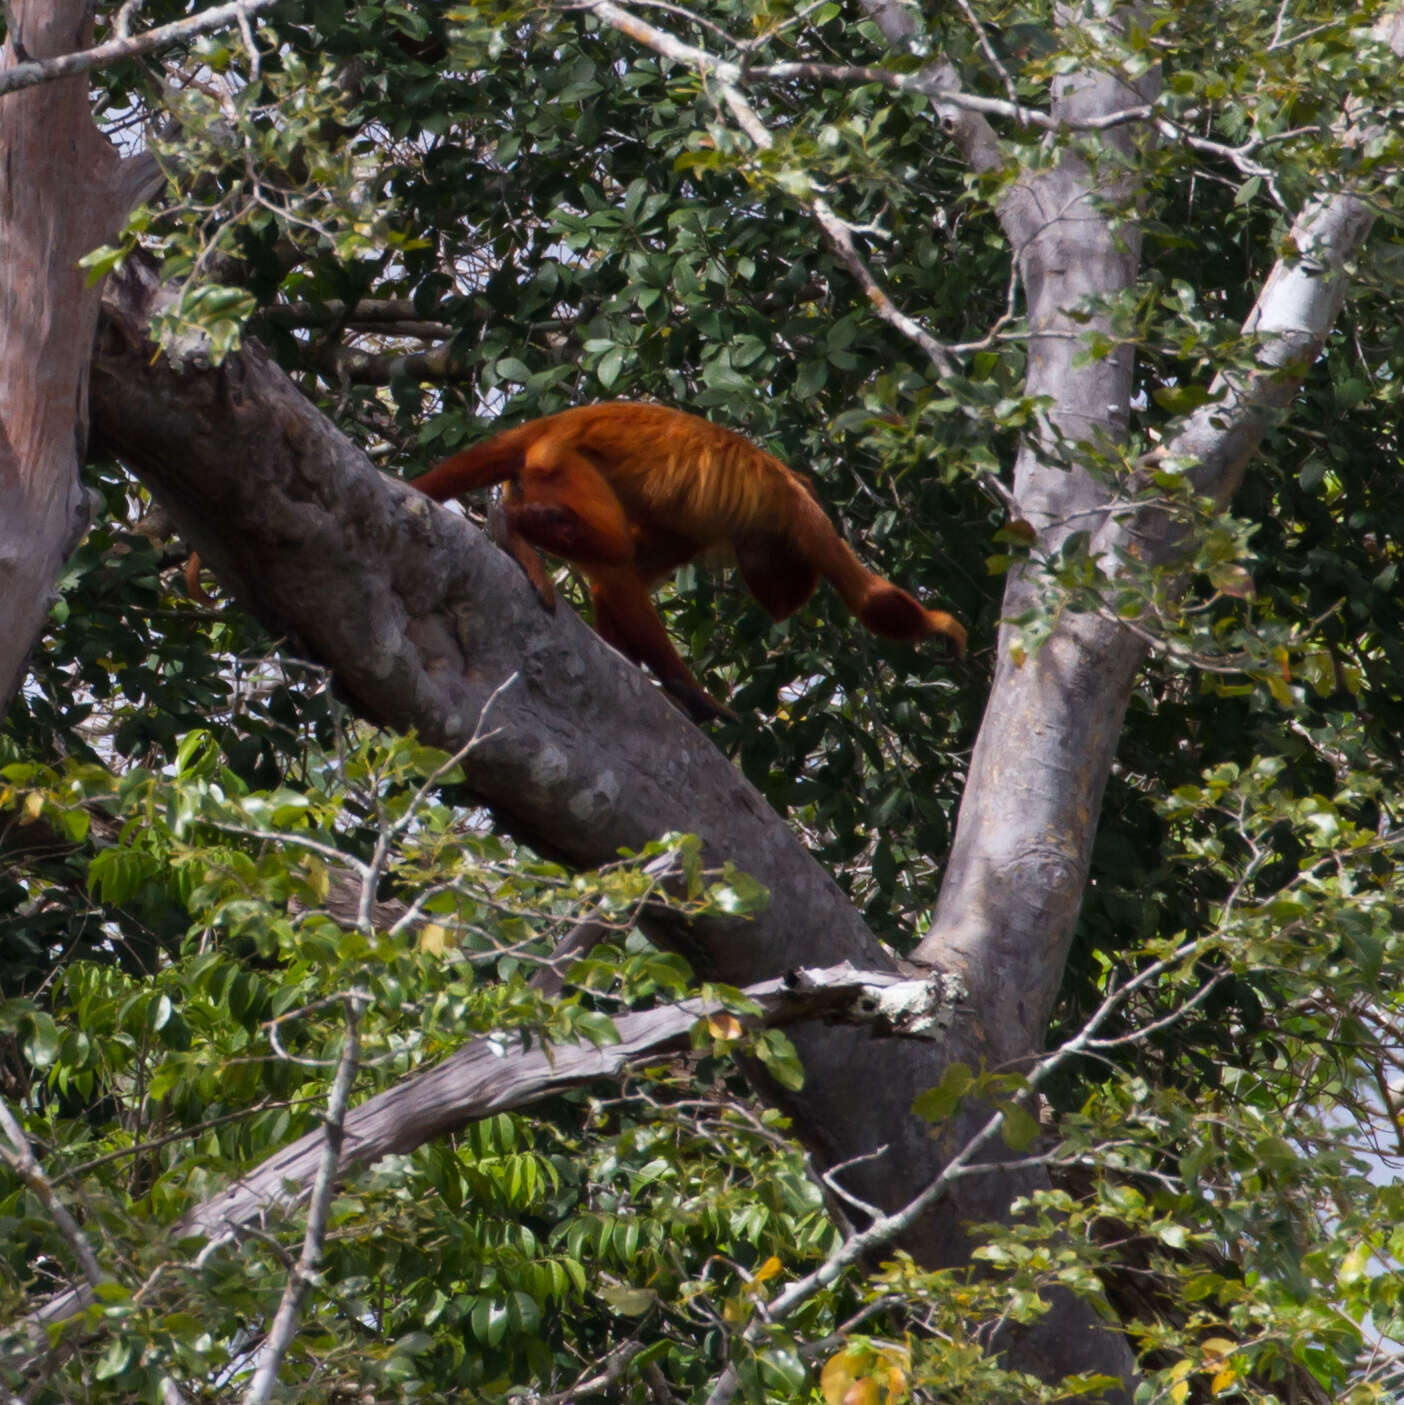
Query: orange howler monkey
x=629, y=493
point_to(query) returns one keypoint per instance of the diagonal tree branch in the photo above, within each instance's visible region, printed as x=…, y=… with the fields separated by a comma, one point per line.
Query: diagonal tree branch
x=29, y=73
x=476, y=1082
x=284, y=1325
x=422, y=620
x=20, y=1155
x=1294, y=313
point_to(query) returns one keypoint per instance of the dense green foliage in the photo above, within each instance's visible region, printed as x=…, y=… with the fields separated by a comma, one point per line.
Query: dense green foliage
x=535, y=212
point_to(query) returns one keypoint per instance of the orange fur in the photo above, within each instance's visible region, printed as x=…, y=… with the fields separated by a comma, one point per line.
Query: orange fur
x=190, y=573
x=631, y=492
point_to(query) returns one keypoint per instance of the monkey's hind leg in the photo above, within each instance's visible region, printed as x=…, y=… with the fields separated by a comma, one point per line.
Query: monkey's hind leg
x=625, y=618
x=517, y=546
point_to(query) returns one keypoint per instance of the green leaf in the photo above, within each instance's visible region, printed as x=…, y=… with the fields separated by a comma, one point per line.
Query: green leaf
x=610, y=367
x=939, y=1103
x=1019, y=1128
x=513, y=368
x=489, y=1320
x=1248, y=191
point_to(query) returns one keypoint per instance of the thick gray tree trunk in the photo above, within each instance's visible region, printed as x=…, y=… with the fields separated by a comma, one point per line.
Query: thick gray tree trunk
x=63, y=192
x=425, y=624
x=1028, y=816
x=1023, y=840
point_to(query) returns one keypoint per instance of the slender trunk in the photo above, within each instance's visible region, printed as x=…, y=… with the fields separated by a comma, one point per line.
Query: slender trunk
x=63, y=192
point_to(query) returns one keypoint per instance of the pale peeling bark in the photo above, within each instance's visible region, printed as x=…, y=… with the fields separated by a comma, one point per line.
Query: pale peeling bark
x=1028, y=818
x=63, y=192
x=1019, y=862
x=1023, y=842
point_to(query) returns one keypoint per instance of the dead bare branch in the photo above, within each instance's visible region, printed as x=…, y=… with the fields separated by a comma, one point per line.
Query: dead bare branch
x=32, y=72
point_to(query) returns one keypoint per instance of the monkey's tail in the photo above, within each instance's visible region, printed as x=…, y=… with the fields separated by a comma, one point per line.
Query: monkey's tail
x=880, y=606
x=493, y=461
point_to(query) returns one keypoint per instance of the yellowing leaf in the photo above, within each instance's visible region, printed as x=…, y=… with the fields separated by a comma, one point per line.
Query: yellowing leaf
x=33, y=807
x=1319, y=669
x=632, y=1302
x=896, y=1385
x=1353, y=1266
x=864, y=1392
x=1232, y=580
x=433, y=939
x=724, y=1026
x=1223, y=1380
x=839, y=1373
x=317, y=874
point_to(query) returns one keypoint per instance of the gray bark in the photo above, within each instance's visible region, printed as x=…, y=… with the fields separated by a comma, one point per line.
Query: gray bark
x=476, y=1082
x=1028, y=817
x=1024, y=836
x=47, y=313
x=1023, y=840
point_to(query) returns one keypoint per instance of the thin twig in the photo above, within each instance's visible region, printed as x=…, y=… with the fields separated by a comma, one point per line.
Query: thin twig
x=886, y=1228
x=372, y=872
x=33, y=72
x=840, y=236
x=25, y=1164
x=250, y=47
x=143, y=1148
x=836, y=229
x=983, y=39
x=285, y=1321
x=122, y=25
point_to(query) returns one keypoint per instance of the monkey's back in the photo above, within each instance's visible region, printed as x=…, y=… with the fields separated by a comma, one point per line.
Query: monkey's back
x=665, y=465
